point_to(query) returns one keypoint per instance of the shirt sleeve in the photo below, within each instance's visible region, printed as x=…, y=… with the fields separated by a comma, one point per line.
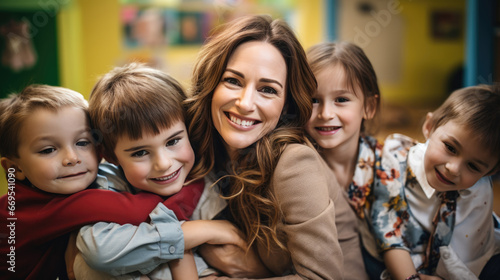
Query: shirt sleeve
x=473, y=238
x=451, y=266
x=389, y=213
x=121, y=249
x=302, y=189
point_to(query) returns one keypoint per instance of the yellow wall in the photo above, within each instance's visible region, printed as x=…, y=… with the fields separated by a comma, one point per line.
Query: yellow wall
x=412, y=67
x=90, y=44
x=96, y=47
x=426, y=62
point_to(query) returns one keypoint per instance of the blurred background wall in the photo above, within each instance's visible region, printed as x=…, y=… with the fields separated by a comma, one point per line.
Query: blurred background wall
x=421, y=49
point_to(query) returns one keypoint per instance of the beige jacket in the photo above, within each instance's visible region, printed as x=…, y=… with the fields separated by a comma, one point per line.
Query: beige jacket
x=321, y=228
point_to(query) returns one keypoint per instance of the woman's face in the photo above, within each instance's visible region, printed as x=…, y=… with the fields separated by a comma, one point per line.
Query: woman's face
x=248, y=102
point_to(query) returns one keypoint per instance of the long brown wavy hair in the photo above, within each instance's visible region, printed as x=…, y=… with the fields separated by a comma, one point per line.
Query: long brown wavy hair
x=248, y=186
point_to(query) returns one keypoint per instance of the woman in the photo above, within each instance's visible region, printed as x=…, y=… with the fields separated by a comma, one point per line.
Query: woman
x=251, y=98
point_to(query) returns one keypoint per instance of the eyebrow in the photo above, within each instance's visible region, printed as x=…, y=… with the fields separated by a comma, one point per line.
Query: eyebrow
x=52, y=137
x=266, y=80
x=132, y=149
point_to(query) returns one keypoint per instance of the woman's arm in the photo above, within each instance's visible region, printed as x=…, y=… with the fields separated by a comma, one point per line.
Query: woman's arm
x=305, y=196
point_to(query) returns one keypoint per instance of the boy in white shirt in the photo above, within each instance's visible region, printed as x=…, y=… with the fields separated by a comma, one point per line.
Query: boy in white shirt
x=433, y=202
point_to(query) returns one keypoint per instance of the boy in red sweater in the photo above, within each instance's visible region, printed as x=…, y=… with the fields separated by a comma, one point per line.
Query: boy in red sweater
x=50, y=160
x=49, y=155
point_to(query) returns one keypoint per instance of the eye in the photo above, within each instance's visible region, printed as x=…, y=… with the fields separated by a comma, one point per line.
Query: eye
x=341, y=99
x=473, y=167
x=173, y=142
x=47, y=151
x=450, y=148
x=140, y=153
x=83, y=143
x=268, y=90
x=315, y=100
x=231, y=81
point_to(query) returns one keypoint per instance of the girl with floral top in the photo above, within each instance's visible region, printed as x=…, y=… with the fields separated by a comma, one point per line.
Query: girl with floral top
x=347, y=98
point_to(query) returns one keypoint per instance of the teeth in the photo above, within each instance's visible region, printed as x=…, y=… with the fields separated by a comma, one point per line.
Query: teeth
x=241, y=122
x=166, y=178
x=327, y=128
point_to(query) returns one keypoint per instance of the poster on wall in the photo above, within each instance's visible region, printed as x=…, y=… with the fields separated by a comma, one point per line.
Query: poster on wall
x=163, y=23
x=446, y=25
x=161, y=27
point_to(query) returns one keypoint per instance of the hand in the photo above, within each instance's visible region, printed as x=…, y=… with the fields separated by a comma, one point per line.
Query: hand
x=212, y=232
x=429, y=277
x=234, y=261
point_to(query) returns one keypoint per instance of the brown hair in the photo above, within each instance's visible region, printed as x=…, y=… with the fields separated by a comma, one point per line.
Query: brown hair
x=357, y=67
x=478, y=109
x=251, y=200
x=15, y=109
x=132, y=100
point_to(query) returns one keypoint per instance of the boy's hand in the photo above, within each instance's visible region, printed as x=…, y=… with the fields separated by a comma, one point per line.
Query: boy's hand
x=429, y=277
x=212, y=232
x=234, y=261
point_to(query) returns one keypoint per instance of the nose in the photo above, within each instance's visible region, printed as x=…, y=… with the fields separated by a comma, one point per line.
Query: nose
x=326, y=111
x=246, y=100
x=162, y=161
x=453, y=167
x=70, y=157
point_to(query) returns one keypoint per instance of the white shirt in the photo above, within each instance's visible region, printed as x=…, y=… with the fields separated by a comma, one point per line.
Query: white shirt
x=472, y=243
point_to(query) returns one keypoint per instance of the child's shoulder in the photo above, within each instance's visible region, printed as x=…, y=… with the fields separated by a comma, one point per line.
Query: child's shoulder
x=398, y=145
x=397, y=139
x=111, y=177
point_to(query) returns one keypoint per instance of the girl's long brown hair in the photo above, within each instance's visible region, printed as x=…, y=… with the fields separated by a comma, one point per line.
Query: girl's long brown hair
x=250, y=197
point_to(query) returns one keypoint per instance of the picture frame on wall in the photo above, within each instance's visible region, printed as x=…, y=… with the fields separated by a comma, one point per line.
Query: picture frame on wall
x=447, y=25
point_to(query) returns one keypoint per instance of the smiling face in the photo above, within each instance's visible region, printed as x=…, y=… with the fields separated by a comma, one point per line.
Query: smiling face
x=337, y=111
x=157, y=163
x=247, y=103
x=454, y=160
x=56, y=152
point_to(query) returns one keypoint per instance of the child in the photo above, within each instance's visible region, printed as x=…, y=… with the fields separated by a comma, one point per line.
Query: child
x=138, y=111
x=346, y=98
x=432, y=212
x=49, y=156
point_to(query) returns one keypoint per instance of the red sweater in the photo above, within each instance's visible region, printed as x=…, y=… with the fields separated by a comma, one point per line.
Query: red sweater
x=33, y=240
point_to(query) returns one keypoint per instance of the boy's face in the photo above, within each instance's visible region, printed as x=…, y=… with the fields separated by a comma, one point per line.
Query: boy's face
x=56, y=152
x=454, y=159
x=157, y=163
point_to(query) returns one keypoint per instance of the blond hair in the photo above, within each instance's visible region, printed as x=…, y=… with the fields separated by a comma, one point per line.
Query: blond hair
x=15, y=109
x=132, y=100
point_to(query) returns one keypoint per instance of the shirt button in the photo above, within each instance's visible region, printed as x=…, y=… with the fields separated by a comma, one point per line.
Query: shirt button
x=446, y=255
x=171, y=249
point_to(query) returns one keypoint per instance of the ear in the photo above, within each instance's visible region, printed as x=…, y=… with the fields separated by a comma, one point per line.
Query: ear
x=371, y=107
x=9, y=164
x=427, y=127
